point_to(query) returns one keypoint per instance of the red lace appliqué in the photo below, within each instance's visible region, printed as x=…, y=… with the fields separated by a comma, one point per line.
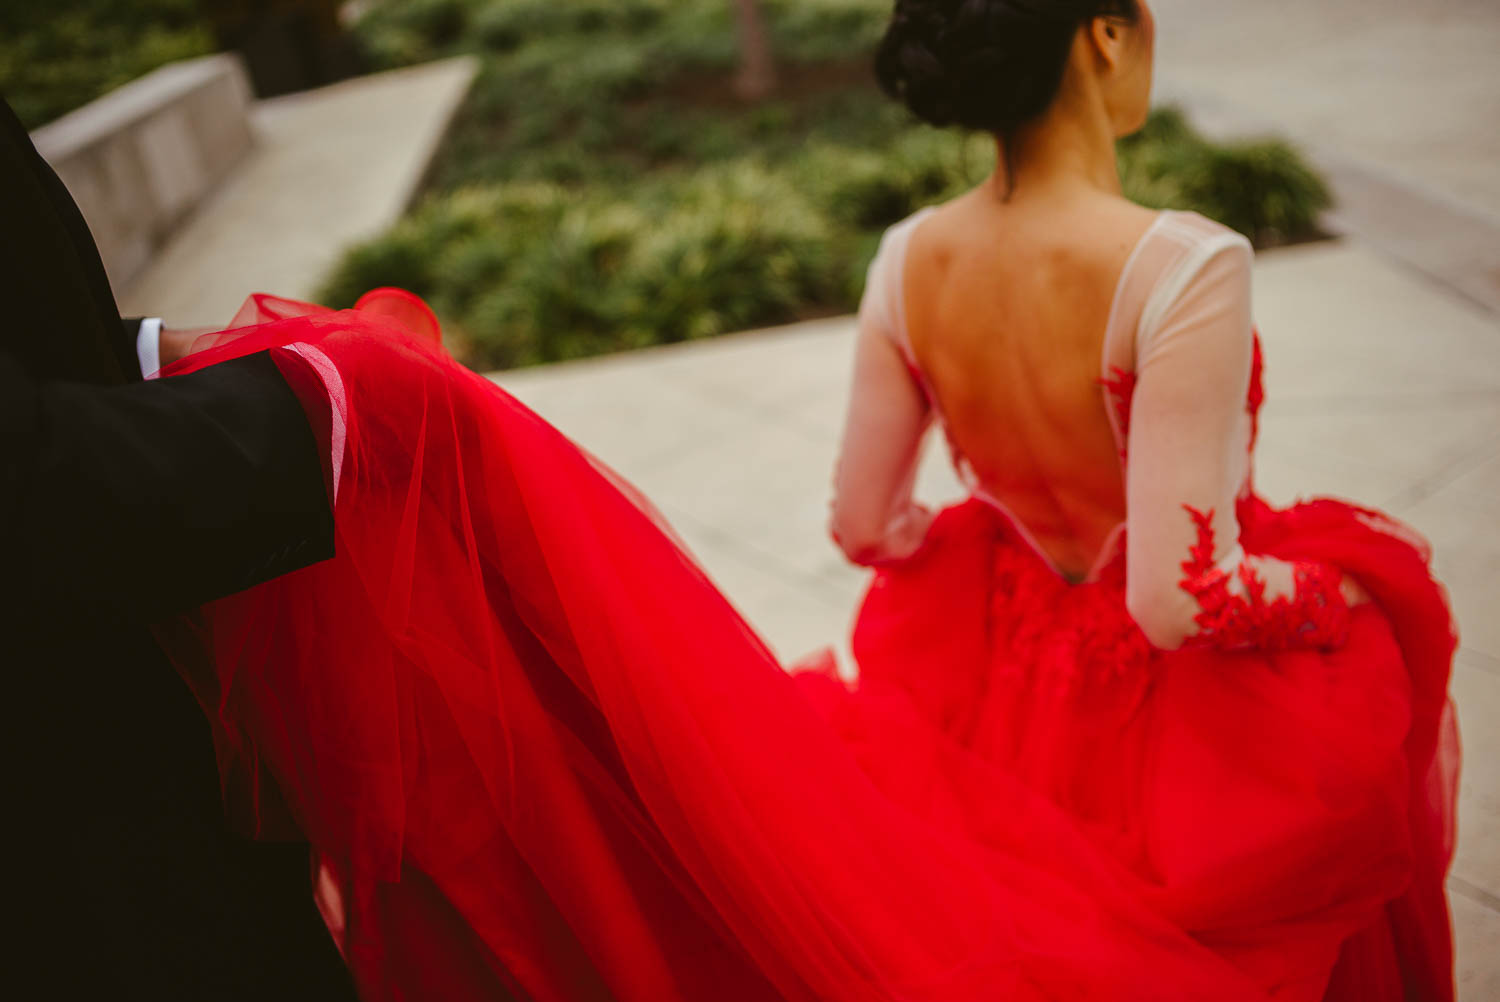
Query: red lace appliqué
x=1257, y=394
x=1120, y=384
x=1315, y=615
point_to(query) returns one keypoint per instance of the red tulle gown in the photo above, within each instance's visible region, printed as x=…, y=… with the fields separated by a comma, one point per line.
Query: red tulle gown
x=538, y=755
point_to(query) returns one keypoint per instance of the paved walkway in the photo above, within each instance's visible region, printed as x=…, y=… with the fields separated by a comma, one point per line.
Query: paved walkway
x=331, y=167
x=1410, y=86
x=1381, y=387
x=1396, y=102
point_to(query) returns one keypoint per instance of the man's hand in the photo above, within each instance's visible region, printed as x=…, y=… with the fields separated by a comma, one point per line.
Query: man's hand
x=177, y=342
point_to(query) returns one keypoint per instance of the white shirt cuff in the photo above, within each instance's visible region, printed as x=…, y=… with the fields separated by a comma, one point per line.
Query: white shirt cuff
x=148, y=347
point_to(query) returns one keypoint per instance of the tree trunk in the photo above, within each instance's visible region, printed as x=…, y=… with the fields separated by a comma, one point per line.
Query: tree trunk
x=757, y=73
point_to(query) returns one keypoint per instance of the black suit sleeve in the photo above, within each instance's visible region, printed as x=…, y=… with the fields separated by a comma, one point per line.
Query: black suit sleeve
x=130, y=329
x=61, y=317
x=135, y=502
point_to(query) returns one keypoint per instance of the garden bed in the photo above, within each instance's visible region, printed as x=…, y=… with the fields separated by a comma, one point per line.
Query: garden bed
x=604, y=189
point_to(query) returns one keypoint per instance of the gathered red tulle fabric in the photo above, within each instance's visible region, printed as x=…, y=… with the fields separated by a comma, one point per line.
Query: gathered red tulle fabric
x=537, y=754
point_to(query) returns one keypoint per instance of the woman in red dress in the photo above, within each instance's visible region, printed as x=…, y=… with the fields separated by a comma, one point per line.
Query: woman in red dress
x=1121, y=729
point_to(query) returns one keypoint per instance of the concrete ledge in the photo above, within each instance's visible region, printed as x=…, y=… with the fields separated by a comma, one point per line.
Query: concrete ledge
x=139, y=159
x=331, y=167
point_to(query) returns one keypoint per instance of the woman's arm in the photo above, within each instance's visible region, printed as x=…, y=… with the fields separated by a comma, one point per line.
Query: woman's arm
x=1188, y=580
x=874, y=519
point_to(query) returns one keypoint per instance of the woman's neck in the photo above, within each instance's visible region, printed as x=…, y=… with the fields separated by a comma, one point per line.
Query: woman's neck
x=1070, y=149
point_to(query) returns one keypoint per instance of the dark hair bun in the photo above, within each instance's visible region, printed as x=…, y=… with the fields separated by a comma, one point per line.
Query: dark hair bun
x=990, y=65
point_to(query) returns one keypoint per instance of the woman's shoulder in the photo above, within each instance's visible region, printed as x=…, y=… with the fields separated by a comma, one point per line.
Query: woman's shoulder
x=898, y=234
x=886, y=268
x=1183, y=250
x=1195, y=229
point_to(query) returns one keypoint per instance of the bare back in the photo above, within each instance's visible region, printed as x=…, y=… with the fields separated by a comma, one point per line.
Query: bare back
x=1007, y=309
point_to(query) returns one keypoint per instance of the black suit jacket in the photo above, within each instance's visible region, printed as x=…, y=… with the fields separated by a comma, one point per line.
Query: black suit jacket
x=121, y=502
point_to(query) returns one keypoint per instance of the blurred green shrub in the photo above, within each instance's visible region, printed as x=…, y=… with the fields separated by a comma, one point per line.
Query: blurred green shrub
x=681, y=33
x=871, y=189
x=1262, y=188
x=813, y=31
x=536, y=272
x=59, y=55
x=602, y=189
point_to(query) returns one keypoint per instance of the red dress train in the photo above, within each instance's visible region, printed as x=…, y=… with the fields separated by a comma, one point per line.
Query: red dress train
x=538, y=755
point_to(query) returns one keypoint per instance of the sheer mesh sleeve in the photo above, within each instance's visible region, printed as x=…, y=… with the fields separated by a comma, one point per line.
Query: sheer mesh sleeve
x=1188, y=580
x=874, y=519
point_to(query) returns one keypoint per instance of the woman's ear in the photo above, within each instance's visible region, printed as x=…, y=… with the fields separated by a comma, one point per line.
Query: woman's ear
x=1108, y=38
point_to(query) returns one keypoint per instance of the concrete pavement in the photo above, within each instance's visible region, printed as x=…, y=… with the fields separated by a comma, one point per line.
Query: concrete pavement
x=1396, y=103
x=1410, y=87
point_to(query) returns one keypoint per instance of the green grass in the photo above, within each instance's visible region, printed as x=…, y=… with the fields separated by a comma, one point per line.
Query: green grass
x=602, y=189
